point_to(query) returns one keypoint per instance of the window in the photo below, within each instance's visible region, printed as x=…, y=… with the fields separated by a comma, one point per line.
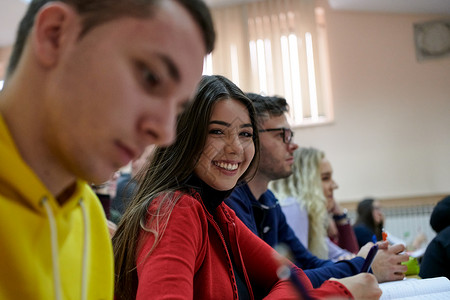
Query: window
x=276, y=47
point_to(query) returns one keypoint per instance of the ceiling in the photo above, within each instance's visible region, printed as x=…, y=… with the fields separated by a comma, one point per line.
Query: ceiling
x=12, y=10
x=394, y=6
x=390, y=6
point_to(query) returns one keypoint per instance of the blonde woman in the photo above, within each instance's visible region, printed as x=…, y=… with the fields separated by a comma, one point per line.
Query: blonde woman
x=307, y=200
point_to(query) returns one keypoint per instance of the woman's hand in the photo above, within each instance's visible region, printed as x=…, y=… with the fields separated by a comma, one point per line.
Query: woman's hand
x=363, y=286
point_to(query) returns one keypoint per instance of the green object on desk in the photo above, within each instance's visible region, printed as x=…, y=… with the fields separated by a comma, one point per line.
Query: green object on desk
x=413, y=266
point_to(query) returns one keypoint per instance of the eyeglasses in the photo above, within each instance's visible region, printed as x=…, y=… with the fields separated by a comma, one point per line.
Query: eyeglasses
x=287, y=133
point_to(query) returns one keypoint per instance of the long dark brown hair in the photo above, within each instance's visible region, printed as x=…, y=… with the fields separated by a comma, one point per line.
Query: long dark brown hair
x=168, y=169
x=365, y=217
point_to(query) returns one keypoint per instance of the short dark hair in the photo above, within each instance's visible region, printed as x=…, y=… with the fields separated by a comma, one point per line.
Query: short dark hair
x=439, y=219
x=96, y=12
x=268, y=106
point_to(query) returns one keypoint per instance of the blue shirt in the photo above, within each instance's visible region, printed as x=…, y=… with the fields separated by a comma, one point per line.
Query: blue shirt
x=364, y=234
x=265, y=218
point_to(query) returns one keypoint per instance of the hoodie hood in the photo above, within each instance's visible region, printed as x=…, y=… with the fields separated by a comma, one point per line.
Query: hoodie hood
x=18, y=181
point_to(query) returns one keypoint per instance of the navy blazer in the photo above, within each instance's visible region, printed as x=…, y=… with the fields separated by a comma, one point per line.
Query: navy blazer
x=266, y=219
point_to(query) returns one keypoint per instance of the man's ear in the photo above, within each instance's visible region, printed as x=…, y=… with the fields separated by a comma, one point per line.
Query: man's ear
x=55, y=25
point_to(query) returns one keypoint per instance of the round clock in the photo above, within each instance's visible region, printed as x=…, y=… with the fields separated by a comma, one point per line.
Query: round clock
x=433, y=38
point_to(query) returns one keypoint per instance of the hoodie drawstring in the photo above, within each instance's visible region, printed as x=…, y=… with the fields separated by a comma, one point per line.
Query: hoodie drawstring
x=85, y=242
x=54, y=242
x=55, y=255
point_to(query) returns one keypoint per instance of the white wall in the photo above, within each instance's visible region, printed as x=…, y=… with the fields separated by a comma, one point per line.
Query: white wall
x=391, y=133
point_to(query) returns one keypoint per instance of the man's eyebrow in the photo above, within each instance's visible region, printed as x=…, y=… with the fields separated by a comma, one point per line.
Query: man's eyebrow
x=173, y=70
x=246, y=125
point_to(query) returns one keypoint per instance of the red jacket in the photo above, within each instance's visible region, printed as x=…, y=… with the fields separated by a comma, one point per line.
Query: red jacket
x=191, y=261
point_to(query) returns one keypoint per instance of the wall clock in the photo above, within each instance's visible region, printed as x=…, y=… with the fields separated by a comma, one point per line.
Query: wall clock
x=432, y=39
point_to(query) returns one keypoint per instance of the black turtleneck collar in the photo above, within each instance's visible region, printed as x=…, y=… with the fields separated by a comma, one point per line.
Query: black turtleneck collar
x=210, y=196
x=212, y=199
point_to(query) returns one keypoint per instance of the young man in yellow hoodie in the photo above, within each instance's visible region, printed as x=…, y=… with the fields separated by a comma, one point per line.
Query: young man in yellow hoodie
x=90, y=84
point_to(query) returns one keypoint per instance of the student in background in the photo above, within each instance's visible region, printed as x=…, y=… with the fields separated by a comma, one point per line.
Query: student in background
x=127, y=184
x=307, y=200
x=369, y=226
x=259, y=209
x=436, y=260
x=105, y=192
x=89, y=85
x=177, y=239
x=369, y=222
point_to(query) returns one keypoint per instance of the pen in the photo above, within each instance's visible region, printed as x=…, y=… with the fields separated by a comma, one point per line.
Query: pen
x=285, y=272
x=374, y=239
x=369, y=259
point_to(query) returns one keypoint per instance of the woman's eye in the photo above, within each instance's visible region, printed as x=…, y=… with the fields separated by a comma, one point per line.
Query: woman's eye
x=246, y=134
x=216, y=131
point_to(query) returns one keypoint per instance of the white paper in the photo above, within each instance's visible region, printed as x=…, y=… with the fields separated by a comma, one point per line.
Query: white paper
x=430, y=288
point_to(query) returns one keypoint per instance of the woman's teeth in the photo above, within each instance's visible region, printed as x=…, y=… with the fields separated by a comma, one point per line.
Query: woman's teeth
x=226, y=166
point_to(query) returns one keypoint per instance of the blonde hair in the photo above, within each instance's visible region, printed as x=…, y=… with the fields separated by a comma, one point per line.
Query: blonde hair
x=305, y=186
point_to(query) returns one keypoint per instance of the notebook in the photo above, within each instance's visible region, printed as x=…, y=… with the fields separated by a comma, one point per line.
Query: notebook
x=412, y=288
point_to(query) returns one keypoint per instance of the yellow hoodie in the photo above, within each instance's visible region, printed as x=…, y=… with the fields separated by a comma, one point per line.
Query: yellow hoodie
x=49, y=251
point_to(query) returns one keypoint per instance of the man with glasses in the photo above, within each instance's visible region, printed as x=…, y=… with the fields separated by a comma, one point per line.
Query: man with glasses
x=258, y=208
x=286, y=133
